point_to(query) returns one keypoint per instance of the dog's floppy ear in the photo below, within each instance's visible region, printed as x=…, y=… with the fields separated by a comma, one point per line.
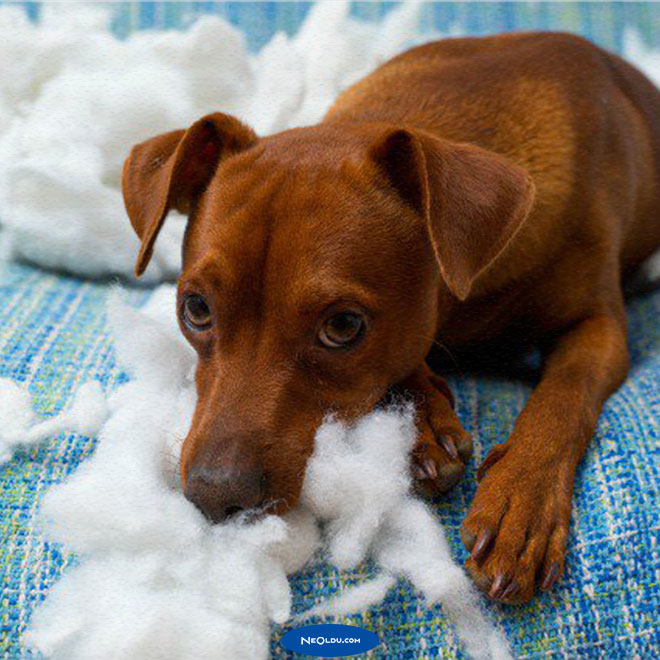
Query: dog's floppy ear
x=473, y=200
x=172, y=170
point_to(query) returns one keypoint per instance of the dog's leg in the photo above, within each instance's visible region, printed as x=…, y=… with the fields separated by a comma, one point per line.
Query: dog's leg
x=518, y=523
x=443, y=446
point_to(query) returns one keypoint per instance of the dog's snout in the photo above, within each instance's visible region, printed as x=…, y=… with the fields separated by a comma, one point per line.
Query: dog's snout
x=221, y=493
x=221, y=489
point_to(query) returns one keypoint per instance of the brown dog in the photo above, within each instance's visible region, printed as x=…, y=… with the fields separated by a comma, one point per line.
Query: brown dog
x=472, y=191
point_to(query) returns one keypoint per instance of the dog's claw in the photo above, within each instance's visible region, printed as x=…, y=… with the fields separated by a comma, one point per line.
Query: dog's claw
x=435, y=471
x=430, y=469
x=449, y=446
x=550, y=576
x=426, y=469
x=481, y=545
x=500, y=585
x=510, y=592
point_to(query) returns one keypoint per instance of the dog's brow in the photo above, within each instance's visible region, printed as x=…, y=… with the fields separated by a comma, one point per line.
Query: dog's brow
x=318, y=298
x=205, y=274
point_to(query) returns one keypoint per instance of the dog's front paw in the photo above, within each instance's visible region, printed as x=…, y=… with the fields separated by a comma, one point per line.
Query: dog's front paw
x=439, y=456
x=443, y=446
x=518, y=523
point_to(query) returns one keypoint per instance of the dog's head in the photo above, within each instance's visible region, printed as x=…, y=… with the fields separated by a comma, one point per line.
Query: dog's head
x=316, y=263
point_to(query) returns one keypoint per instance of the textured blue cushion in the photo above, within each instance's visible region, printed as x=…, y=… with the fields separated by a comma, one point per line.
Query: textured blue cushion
x=53, y=337
x=603, y=22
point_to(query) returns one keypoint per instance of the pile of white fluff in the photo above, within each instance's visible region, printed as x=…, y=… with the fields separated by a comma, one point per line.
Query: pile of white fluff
x=74, y=99
x=157, y=581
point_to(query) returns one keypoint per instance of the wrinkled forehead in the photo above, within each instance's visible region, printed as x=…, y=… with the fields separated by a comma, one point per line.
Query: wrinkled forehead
x=297, y=225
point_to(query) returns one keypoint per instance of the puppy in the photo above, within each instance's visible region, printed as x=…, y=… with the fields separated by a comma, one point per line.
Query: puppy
x=478, y=193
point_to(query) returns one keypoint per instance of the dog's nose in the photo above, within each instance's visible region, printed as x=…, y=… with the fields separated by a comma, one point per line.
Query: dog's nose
x=223, y=491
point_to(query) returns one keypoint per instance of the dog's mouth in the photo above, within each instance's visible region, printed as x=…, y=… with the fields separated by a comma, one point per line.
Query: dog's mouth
x=237, y=515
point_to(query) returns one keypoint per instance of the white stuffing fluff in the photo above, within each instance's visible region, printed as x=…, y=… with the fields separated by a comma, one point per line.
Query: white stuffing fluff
x=358, y=482
x=78, y=99
x=156, y=581
x=358, y=502
x=18, y=425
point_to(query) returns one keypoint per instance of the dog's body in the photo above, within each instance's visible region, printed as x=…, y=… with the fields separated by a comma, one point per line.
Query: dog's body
x=471, y=192
x=586, y=127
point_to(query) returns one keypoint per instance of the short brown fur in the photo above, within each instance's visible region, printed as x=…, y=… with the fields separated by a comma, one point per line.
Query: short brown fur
x=475, y=192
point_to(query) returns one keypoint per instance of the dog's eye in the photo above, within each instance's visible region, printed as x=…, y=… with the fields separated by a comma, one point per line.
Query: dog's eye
x=196, y=313
x=341, y=330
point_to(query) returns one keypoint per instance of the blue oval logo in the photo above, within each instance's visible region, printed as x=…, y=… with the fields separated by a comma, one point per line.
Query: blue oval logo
x=329, y=640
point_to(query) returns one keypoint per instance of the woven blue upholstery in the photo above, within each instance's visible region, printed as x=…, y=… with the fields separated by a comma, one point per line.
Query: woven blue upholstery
x=53, y=337
x=603, y=22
